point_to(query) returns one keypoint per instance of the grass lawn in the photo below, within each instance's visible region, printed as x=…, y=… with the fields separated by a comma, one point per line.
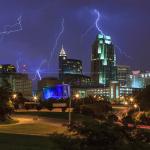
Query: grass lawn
x=57, y=115
x=31, y=136
x=26, y=142
x=40, y=127
x=9, y=121
x=31, y=129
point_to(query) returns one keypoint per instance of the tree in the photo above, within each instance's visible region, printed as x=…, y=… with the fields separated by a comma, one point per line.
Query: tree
x=6, y=105
x=143, y=98
x=92, y=134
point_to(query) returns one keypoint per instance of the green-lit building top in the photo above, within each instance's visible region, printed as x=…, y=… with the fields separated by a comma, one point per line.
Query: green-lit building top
x=103, y=61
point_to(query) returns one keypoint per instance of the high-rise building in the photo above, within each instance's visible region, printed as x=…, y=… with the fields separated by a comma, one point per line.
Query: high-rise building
x=135, y=80
x=70, y=71
x=7, y=68
x=19, y=82
x=146, y=77
x=68, y=66
x=62, y=58
x=139, y=79
x=123, y=73
x=103, y=63
x=22, y=84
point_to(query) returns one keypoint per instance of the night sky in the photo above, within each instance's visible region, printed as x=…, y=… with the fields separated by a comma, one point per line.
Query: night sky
x=126, y=21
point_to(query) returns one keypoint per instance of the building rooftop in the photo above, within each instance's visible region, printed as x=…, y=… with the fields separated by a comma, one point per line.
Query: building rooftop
x=62, y=52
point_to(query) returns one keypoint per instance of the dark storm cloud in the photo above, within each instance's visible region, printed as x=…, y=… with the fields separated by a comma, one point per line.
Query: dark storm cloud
x=127, y=21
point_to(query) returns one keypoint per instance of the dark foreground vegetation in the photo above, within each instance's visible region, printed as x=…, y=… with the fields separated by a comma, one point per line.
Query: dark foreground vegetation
x=88, y=134
x=97, y=135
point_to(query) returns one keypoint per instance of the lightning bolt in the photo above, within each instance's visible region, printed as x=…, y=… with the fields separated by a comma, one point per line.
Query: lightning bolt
x=96, y=24
x=38, y=70
x=38, y=73
x=122, y=52
x=18, y=66
x=56, y=42
x=18, y=61
x=99, y=29
x=97, y=21
x=8, y=29
x=88, y=30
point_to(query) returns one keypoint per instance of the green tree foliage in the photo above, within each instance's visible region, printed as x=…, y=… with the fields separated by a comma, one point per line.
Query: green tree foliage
x=6, y=105
x=143, y=98
x=95, y=135
x=142, y=118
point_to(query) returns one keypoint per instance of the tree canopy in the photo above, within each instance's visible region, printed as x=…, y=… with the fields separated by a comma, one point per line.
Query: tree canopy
x=5, y=102
x=143, y=99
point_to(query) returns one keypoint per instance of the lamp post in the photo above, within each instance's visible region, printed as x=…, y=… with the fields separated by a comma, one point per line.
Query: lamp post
x=14, y=96
x=76, y=96
x=126, y=103
x=136, y=106
x=35, y=98
x=131, y=100
x=69, y=111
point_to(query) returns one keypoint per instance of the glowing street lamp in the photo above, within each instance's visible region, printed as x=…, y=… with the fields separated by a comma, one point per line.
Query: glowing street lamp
x=126, y=103
x=77, y=96
x=131, y=99
x=35, y=98
x=14, y=96
x=136, y=106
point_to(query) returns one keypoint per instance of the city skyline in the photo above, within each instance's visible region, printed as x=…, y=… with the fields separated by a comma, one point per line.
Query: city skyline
x=37, y=38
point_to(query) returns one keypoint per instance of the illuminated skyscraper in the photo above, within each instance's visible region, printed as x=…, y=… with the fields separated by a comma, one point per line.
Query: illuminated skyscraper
x=19, y=82
x=7, y=68
x=103, y=63
x=123, y=73
x=68, y=66
x=62, y=58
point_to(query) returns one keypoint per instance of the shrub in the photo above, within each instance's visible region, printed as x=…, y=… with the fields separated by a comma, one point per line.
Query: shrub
x=27, y=107
x=39, y=107
x=127, y=120
x=87, y=110
x=143, y=118
x=63, y=109
x=112, y=118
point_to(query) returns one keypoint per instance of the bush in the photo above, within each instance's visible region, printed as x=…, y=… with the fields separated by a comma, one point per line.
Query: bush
x=100, y=135
x=76, y=108
x=39, y=107
x=143, y=118
x=101, y=117
x=112, y=118
x=87, y=110
x=94, y=135
x=27, y=107
x=63, y=109
x=128, y=120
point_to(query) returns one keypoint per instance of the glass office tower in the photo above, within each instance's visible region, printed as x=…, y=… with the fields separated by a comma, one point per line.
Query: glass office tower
x=103, y=61
x=68, y=66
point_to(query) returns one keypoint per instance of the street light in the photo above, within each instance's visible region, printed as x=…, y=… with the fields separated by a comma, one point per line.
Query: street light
x=136, y=106
x=77, y=96
x=126, y=103
x=14, y=96
x=131, y=99
x=35, y=98
x=69, y=111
